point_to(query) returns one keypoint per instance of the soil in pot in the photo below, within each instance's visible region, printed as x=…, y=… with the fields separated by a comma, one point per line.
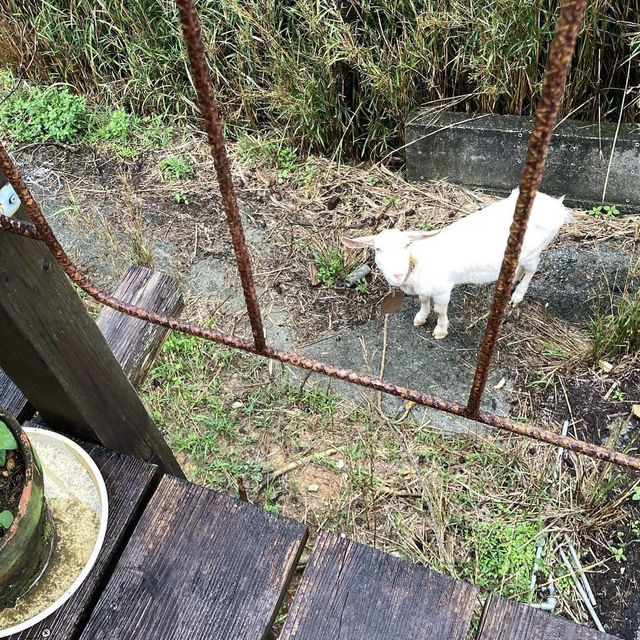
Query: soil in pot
x=26, y=532
x=11, y=485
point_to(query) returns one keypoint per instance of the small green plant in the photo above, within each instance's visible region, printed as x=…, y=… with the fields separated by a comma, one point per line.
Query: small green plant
x=618, y=547
x=362, y=287
x=42, y=115
x=154, y=132
x=117, y=131
x=175, y=168
x=180, y=196
x=391, y=202
x=425, y=226
x=618, y=395
x=126, y=133
x=604, y=212
x=636, y=493
x=7, y=443
x=271, y=153
x=504, y=555
x=306, y=173
x=331, y=267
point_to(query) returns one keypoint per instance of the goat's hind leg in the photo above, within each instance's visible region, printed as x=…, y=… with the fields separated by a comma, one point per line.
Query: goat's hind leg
x=425, y=310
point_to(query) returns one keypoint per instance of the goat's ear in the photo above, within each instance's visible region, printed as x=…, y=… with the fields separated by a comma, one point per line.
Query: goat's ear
x=358, y=243
x=561, y=198
x=412, y=236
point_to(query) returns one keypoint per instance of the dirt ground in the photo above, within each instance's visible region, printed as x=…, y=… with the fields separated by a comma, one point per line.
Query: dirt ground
x=110, y=213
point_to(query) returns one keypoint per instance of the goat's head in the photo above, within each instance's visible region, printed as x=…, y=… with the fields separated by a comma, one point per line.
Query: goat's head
x=393, y=251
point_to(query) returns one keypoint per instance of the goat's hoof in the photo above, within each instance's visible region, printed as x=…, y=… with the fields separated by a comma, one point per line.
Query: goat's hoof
x=516, y=300
x=438, y=334
x=418, y=321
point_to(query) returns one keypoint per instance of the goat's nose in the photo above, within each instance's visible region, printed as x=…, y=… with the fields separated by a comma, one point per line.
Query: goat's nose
x=399, y=277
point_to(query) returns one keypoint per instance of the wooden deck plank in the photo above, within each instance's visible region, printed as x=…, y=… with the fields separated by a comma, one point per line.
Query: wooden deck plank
x=198, y=565
x=356, y=592
x=506, y=619
x=12, y=399
x=135, y=343
x=129, y=483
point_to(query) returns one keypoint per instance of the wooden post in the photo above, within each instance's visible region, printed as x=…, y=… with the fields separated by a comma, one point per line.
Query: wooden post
x=54, y=352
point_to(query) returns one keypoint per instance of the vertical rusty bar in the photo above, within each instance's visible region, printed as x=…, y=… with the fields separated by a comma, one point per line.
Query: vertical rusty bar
x=204, y=89
x=560, y=55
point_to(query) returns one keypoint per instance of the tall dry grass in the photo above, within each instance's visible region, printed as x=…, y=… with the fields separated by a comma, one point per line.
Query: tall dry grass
x=330, y=73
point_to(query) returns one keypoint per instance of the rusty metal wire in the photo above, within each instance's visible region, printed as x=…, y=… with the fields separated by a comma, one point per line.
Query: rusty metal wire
x=42, y=231
x=19, y=227
x=211, y=120
x=560, y=54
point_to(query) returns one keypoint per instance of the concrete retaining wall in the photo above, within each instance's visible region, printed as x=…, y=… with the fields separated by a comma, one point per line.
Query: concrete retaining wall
x=488, y=153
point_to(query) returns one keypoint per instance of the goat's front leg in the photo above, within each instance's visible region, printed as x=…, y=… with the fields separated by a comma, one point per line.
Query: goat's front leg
x=523, y=285
x=440, y=304
x=425, y=310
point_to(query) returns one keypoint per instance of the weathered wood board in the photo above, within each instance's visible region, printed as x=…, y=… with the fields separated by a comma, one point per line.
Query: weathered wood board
x=198, y=565
x=352, y=591
x=54, y=352
x=129, y=483
x=506, y=620
x=135, y=343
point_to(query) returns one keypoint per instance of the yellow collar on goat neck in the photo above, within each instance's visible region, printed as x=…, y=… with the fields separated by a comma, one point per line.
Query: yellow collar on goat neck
x=412, y=265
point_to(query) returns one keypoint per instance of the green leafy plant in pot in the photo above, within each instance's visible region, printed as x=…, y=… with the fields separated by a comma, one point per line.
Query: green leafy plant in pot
x=26, y=534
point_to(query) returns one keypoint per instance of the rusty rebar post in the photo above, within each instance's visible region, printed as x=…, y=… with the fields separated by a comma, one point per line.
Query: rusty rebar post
x=211, y=118
x=560, y=55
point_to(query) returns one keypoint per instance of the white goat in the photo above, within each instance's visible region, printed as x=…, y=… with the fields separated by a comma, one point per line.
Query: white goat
x=469, y=251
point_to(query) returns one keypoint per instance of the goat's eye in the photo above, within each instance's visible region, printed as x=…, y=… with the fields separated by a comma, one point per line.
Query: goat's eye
x=406, y=246
x=378, y=250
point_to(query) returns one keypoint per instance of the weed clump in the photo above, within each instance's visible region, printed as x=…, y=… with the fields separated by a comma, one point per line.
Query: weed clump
x=175, y=168
x=42, y=115
x=331, y=267
x=617, y=332
x=125, y=133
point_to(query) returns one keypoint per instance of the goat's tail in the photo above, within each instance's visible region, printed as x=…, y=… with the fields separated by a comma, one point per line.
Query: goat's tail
x=568, y=216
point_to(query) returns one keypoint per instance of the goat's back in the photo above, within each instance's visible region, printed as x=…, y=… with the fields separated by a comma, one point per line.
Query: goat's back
x=471, y=249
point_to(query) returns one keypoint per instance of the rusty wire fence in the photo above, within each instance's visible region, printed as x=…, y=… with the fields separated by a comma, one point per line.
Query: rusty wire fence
x=560, y=55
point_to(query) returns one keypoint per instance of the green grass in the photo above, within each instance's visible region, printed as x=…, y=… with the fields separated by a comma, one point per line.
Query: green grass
x=617, y=332
x=487, y=499
x=331, y=75
x=127, y=134
x=188, y=405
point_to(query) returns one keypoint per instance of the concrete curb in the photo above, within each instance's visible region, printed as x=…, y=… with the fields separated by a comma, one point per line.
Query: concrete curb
x=487, y=152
